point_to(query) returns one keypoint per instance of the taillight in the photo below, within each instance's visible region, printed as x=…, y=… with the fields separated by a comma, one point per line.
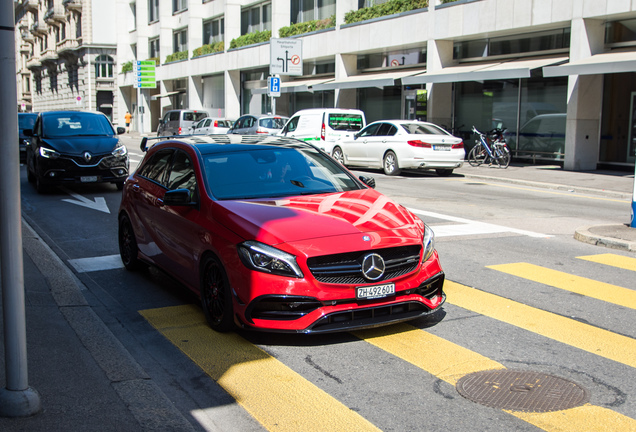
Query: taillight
x=418, y=143
x=179, y=131
x=322, y=132
x=459, y=145
x=259, y=130
x=216, y=123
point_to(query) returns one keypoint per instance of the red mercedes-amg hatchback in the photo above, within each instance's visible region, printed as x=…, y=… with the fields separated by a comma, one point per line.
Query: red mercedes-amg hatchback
x=275, y=235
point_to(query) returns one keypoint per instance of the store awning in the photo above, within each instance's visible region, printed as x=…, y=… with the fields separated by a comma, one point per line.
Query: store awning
x=383, y=79
x=512, y=69
x=157, y=96
x=303, y=85
x=610, y=62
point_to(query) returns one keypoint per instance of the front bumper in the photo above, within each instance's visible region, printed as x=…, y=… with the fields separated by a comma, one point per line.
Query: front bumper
x=68, y=169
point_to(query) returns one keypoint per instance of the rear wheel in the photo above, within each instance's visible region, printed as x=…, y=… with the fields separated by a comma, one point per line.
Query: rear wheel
x=390, y=164
x=443, y=172
x=477, y=155
x=216, y=298
x=128, y=250
x=338, y=155
x=502, y=156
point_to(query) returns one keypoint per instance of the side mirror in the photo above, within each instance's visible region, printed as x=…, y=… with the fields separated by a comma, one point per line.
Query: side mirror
x=369, y=181
x=121, y=130
x=178, y=197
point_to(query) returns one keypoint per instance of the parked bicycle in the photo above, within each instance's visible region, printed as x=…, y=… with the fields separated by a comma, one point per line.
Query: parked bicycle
x=491, y=148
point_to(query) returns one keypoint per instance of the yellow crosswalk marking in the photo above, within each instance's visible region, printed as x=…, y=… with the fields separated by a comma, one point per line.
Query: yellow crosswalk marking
x=276, y=396
x=583, y=336
x=580, y=285
x=449, y=362
x=627, y=263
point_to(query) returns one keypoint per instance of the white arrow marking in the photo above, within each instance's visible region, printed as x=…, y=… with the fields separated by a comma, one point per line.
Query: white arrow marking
x=99, y=204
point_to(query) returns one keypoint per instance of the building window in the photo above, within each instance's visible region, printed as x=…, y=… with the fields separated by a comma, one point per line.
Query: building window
x=257, y=18
x=179, y=5
x=213, y=31
x=78, y=27
x=63, y=30
x=308, y=10
x=153, y=48
x=104, y=66
x=617, y=32
x=153, y=10
x=133, y=16
x=524, y=43
x=180, y=40
x=133, y=48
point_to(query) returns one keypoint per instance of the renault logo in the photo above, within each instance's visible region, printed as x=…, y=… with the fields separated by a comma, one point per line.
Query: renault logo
x=373, y=267
x=87, y=156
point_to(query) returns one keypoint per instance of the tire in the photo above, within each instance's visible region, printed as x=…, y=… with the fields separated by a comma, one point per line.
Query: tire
x=128, y=250
x=443, y=172
x=390, y=164
x=477, y=155
x=216, y=297
x=30, y=175
x=338, y=155
x=40, y=185
x=119, y=185
x=502, y=156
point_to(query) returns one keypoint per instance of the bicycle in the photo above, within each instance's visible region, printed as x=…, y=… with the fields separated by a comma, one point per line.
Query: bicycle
x=490, y=147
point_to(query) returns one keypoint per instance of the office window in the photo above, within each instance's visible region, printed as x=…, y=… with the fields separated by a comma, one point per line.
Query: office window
x=180, y=40
x=213, y=31
x=153, y=48
x=308, y=10
x=133, y=15
x=257, y=18
x=104, y=66
x=153, y=10
x=179, y=5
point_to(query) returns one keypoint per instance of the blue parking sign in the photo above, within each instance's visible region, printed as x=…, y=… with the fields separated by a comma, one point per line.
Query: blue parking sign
x=273, y=86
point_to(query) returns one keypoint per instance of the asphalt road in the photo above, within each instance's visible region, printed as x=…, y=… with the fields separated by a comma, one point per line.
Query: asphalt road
x=523, y=295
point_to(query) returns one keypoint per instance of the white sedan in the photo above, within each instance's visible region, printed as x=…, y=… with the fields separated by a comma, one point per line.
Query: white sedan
x=210, y=125
x=395, y=145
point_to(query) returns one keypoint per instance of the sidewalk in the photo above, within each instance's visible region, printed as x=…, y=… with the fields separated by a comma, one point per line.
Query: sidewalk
x=88, y=381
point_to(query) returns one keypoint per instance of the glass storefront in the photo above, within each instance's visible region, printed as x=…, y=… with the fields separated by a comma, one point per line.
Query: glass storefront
x=618, y=120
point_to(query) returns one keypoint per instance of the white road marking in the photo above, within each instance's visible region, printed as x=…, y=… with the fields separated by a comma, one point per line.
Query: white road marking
x=98, y=204
x=108, y=262
x=463, y=226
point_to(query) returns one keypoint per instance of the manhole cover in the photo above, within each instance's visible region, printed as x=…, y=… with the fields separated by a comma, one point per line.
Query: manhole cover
x=521, y=390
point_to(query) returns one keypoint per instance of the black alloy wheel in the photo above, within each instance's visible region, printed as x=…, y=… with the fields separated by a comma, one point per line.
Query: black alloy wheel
x=128, y=249
x=216, y=298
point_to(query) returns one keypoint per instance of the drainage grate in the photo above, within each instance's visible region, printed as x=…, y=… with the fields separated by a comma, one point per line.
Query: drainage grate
x=525, y=391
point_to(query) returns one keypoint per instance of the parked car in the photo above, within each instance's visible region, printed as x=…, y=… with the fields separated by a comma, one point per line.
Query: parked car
x=324, y=126
x=179, y=122
x=210, y=125
x=75, y=147
x=395, y=145
x=25, y=121
x=273, y=234
x=250, y=124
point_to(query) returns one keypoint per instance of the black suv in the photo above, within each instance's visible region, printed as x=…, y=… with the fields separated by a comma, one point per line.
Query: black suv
x=75, y=147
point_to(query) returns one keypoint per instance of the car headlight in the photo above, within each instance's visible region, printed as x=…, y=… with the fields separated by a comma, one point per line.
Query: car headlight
x=428, y=241
x=120, y=150
x=48, y=153
x=261, y=257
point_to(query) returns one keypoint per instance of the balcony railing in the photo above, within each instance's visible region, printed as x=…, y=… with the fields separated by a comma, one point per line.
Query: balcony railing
x=55, y=15
x=33, y=63
x=30, y=5
x=75, y=5
x=48, y=55
x=39, y=29
x=68, y=44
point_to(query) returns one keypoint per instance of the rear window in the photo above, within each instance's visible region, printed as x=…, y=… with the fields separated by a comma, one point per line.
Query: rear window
x=345, y=122
x=272, y=122
x=426, y=129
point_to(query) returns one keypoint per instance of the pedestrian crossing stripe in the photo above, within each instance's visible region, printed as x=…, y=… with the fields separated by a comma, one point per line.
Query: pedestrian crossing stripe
x=592, y=339
x=276, y=396
x=576, y=284
x=619, y=261
x=449, y=362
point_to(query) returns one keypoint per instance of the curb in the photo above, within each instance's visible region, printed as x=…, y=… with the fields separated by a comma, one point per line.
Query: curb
x=143, y=397
x=584, y=235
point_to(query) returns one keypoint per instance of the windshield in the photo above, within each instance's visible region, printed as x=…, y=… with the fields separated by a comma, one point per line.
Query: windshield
x=274, y=172
x=76, y=124
x=26, y=121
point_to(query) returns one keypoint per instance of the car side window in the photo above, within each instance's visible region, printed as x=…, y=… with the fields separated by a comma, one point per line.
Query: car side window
x=370, y=130
x=292, y=124
x=386, y=129
x=188, y=116
x=181, y=175
x=208, y=122
x=174, y=116
x=239, y=123
x=155, y=168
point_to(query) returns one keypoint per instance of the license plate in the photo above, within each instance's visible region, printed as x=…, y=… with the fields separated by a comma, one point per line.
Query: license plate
x=88, y=179
x=441, y=147
x=374, y=292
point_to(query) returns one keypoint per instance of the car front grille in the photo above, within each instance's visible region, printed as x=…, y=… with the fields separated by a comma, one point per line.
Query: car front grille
x=346, y=268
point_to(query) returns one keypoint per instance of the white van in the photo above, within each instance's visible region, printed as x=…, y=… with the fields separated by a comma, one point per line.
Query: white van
x=179, y=122
x=322, y=127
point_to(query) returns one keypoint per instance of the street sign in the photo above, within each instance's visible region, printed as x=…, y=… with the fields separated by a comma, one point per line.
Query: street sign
x=286, y=57
x=144, y=73
x=273, y=86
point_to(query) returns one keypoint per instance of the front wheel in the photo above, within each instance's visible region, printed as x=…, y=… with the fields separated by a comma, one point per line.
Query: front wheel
x=216, y=298
x=338, y=155
x=477, y=155
x=390, y=164
x=502, y=156
x=128, y=250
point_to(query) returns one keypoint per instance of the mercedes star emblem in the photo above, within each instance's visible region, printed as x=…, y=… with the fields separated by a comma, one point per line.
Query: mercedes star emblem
x=373, y=267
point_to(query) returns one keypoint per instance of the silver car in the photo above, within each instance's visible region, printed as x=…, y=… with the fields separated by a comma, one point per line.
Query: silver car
x=251, y=124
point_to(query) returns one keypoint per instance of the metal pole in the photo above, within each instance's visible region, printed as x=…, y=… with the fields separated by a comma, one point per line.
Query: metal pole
x=17, y=399
x=633, y=222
